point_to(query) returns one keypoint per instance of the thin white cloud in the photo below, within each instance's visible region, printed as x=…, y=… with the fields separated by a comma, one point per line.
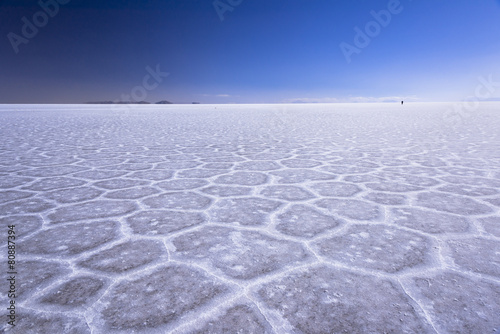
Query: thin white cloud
x=217, y=95
x=352, y=99
x=369, y=99
x=312, y=100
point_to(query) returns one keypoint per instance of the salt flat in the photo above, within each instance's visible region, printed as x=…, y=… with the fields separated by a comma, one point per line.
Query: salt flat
x=341, y=218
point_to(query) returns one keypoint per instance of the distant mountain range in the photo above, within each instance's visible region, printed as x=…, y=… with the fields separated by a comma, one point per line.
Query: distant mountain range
x=140, y=102
x=122, y=102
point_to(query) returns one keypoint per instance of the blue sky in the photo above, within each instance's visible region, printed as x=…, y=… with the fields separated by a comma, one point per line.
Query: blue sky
x=263, y=51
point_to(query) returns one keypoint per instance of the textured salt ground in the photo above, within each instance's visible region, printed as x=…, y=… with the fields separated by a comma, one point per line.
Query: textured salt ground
x=252, y=219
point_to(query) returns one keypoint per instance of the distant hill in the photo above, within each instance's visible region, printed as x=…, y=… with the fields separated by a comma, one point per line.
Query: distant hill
x=125, y=102
x=140, y=102
x=117, y=102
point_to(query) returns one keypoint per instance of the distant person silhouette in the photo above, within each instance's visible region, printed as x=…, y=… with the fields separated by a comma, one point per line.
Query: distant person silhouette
x=402, y=102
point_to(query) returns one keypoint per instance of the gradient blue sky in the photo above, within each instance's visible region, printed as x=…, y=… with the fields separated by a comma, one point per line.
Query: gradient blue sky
x=264, y=51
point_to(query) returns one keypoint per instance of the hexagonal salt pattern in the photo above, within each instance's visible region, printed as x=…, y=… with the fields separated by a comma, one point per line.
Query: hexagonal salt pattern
x=310, y=220
x=243, y=211
x=179, y=201
x=75, y=293
x=458, y=303
x=91, y=210
x=153, y=222
x=352, y=208
x=241, y=318
x=491, y=225
x=238, y=254
x=376, y=247
x=305, y=221
x=69, y=240
x=38, y=322
x=452, y=203
x=157, y=299
x=326, y=300
x=126, y=256
x=429, y=221
x=477, y=255
x=37, y=275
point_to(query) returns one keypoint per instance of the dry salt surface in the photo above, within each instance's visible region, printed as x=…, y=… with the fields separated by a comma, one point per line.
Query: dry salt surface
x=369, y=218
